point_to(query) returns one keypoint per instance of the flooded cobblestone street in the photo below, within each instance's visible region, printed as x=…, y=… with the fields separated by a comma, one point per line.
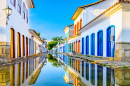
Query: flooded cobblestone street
x=61, y=70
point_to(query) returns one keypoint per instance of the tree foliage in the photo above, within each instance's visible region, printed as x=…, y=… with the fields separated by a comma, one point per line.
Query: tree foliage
x=43, y=38
x=58, y=39
x=54, y=42
x=51, y=44
x=38, y=33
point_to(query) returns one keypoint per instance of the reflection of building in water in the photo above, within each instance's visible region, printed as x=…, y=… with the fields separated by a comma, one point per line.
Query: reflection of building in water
x=89, y=74
x=12, y=75
x=110, y=77
x=36, y=72
x=122, y=77
x=4, y=75
x=19, y=74
x=69, y=78
x=31, y=66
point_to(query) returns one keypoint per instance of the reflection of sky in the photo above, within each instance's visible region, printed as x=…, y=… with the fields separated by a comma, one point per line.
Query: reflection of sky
x=51, y=76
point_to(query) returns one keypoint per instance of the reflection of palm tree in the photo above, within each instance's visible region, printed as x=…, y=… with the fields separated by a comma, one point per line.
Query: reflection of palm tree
x=54, y=61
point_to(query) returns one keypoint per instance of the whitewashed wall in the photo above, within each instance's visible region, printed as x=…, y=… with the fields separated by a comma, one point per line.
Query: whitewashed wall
x=91, y=12
x=16, y=21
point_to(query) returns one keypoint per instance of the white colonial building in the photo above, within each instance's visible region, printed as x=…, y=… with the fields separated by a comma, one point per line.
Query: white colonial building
x=15, y=38
x=102, y=29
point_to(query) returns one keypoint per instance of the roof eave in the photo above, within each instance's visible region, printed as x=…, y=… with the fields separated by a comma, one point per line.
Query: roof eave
x=77, y=12
x=32, y=4
x=65, y=28
x=80, y=9
x=68, y=27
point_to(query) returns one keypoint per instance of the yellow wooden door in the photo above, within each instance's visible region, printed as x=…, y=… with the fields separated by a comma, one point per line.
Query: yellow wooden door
x=12, y=44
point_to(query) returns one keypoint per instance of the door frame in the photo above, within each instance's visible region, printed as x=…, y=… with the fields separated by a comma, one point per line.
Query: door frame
x=97, y=43
x=107, y=41
x=13, y=43
x=83, y=45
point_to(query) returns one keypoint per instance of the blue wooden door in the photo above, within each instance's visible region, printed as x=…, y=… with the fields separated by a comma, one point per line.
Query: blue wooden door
x=110, y=42
x=82, y=45
x=100, y=44
x=87, y=45
x=63, y=48
x=93, y=44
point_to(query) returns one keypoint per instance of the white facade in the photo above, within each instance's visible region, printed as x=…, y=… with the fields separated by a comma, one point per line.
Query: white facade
x=18, y=22
x=39, y=44
x=109, y=17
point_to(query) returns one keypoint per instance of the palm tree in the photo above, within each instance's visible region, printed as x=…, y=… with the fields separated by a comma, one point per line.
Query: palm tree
x=58, y=39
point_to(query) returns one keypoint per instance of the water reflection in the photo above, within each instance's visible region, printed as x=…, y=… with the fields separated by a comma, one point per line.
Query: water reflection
x=72, y=71
x=82, y=73
x=53, y=60
x=18, y=74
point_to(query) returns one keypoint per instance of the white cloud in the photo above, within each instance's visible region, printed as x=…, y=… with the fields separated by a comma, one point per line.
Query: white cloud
x=98, y=11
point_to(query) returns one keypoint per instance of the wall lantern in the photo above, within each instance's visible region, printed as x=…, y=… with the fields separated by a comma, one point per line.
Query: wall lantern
x=32, y=37
x=8, y=13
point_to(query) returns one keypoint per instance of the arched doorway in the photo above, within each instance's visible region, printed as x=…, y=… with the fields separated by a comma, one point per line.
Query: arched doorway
x=83, y=45
x=93, y=44
x=23, y=45
x=87, y=45
x=79, y=47
x=27, y=47
x=110, y=41
x=100, y=43
x=76, y=46
x=12, y=43
x=18, y=45
x=72, y=47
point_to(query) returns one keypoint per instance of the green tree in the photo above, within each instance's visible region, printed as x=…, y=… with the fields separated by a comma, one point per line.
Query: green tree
x=43, y=38
x=58, y=39
x=51, y=44
x=54, y=42
x=38, y=33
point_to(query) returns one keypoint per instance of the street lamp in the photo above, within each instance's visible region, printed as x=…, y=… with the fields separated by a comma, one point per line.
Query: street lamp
x=32, y=37
x=8, y=13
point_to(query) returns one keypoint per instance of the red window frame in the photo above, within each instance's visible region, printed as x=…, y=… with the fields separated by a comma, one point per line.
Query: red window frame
x=77, y=27
x=80, y=23
x=75, y=30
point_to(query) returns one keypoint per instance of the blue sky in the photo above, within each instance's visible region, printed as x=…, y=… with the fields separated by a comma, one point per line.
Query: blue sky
x=49, y=17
